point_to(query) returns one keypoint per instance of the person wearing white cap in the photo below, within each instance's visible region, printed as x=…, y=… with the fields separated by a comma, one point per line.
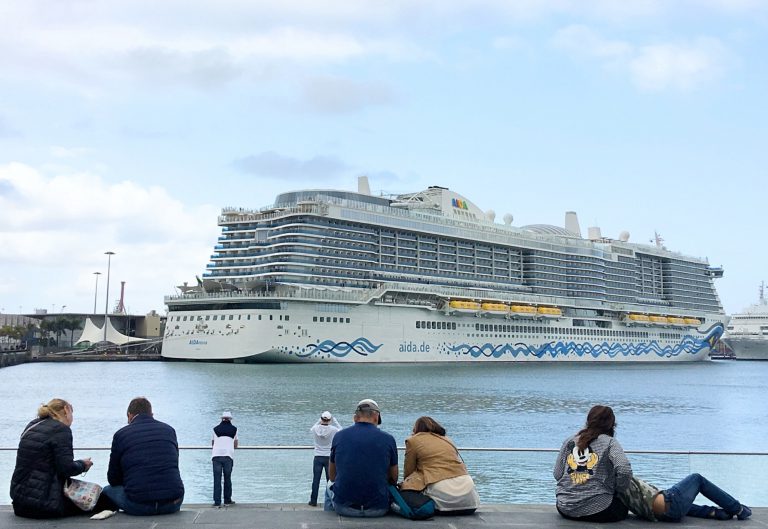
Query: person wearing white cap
x=322, y=431
x=363, y=465
x=224, y=442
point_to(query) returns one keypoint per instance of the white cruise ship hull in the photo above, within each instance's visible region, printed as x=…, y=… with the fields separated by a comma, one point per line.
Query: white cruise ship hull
x=748, y=348
x=384, y=334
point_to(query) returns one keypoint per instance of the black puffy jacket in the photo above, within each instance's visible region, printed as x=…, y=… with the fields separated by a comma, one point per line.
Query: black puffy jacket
x=43, y=462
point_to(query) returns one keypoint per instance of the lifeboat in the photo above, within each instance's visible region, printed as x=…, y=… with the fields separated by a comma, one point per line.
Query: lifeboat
x=658, y=319
x=675, y=320
x=692, y=321
x=465, y=306
x=552, y=312
x=523, y=310
x=638, y=318
x=497, y=308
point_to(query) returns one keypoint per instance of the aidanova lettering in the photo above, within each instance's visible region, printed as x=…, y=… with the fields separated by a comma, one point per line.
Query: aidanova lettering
x=198, y=342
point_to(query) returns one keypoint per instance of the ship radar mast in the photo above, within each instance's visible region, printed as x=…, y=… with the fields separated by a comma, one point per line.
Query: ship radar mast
x=658, y=240
x=762, y=292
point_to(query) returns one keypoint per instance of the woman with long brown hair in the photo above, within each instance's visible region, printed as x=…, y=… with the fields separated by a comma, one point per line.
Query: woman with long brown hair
x=591, y=470
x=434, y=467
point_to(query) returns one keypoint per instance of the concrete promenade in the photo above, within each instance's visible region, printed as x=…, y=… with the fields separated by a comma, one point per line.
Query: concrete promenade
x=291, y=515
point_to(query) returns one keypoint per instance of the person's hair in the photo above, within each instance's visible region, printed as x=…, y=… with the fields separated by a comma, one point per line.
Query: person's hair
x=428, y=424
x=365, y=412
x=55, y=409
x=600, y=420
x=140, y=405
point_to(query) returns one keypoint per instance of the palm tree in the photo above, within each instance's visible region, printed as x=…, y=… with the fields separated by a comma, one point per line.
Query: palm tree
x=72, y=324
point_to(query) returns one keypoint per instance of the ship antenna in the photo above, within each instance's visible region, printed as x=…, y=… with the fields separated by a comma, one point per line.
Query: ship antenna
x=762, y=290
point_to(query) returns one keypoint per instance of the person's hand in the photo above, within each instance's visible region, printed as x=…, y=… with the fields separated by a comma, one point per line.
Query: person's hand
x=88, y=463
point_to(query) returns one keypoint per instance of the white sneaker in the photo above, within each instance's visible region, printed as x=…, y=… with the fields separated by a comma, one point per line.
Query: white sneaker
x=103, y=515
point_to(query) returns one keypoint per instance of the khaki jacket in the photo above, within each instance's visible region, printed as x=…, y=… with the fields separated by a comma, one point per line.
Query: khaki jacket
x=430, y=458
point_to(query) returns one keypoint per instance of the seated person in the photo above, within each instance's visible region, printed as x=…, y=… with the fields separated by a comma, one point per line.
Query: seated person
x=143, y=472
x=591, y=470
x=434, y=467
x=676, y=502
x=363, y=463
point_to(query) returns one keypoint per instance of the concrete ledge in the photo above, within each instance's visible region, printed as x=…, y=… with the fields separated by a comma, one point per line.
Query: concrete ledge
x=291, y=515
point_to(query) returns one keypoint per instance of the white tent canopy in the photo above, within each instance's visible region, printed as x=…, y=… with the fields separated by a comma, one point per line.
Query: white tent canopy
x=95, y=334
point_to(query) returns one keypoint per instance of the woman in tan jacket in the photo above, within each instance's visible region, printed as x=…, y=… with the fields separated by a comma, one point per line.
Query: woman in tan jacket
x=434, y=467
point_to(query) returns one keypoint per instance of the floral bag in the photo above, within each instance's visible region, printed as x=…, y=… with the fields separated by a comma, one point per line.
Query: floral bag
x=84, y=494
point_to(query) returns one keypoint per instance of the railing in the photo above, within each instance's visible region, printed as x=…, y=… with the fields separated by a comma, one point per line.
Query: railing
x=282, y=473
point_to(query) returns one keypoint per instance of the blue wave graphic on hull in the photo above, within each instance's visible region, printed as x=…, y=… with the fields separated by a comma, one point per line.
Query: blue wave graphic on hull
x=361, y=346
x=688, y=345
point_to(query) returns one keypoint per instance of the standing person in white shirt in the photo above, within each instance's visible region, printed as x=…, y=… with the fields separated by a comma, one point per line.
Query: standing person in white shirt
x=323, y=431
x=224, y=442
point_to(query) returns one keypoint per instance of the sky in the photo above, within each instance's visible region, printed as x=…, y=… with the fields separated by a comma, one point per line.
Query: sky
x=127, y=126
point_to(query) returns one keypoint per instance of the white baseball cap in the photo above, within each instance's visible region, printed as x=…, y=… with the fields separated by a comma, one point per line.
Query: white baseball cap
x=226, y=415
x=326, y=416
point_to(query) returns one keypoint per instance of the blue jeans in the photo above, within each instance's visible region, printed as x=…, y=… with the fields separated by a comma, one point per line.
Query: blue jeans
x=222, y=465
x=352, y=512
x=680, y=499
x=117, y=495
x=318, y=464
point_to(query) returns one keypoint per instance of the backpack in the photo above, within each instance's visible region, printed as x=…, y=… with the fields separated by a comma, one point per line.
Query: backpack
x=411, y=504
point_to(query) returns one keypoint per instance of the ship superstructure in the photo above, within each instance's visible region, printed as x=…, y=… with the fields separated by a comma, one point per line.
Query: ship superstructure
x=747, y=332
x=329, y=275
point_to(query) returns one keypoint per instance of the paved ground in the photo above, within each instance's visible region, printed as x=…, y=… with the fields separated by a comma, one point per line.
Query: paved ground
x=280, y=516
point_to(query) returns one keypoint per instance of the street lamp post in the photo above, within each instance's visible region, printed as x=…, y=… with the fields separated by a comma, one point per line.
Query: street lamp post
x=106, y=304
x=96, y=292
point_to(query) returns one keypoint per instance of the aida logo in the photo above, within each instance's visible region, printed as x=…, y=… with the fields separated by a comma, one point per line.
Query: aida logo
x=459, y=203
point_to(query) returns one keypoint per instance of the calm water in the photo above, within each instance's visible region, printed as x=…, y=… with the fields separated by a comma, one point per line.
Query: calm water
x=704, y=406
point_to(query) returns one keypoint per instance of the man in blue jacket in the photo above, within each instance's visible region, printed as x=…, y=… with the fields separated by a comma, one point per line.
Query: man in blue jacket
x=143, y=470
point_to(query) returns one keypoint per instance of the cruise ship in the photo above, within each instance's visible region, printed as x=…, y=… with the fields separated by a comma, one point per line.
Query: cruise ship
x=747, y=332
x=342, y=276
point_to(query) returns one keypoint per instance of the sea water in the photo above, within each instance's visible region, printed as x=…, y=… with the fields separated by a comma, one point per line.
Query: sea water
x=707, y=406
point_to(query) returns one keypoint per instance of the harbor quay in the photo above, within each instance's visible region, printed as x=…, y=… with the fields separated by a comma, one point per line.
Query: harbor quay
x=290, y=515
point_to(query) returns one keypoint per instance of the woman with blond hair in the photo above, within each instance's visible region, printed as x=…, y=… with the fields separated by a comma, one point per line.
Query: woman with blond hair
x=591, y=470
x=44, y=461
x=434, y=467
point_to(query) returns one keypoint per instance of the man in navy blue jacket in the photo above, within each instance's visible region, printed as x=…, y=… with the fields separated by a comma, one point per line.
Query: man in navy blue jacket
x=143, y=470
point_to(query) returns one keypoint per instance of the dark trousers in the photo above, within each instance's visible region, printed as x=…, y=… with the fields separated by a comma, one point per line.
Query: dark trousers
x=222, y=465
x=680, y=499
x=615, y=512
x=318, y=464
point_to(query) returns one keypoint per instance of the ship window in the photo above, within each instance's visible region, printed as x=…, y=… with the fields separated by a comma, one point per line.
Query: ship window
x=334, y=320
x=270, y=317
x=249, y=316
x=185, y=318
x=259, y=317
x=287, y=317
x=215, y=317
x=207, y=317
x=418, y=325
x=231, y=317
x=453, y=326
x=314, y=318
x=239, y=316
x=347, y=320
x=322, y=319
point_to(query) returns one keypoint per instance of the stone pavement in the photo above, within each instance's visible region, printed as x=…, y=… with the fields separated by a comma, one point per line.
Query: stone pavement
x=291, y=515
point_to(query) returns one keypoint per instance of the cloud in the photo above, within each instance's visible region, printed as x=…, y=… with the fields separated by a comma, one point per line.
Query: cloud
x=338, y=95
x=679, y=66
x=59, y=226
x=58, y=151
x=683, y=67
x=270, y=164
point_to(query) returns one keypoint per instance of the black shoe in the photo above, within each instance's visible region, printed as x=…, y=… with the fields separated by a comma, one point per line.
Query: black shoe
x=312, y=504
x=216, y=506
x=231, y=502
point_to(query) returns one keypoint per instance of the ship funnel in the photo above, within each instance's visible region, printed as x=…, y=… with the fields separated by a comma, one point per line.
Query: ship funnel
x=594, y=233
x=572, y=223
x=362, y=185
